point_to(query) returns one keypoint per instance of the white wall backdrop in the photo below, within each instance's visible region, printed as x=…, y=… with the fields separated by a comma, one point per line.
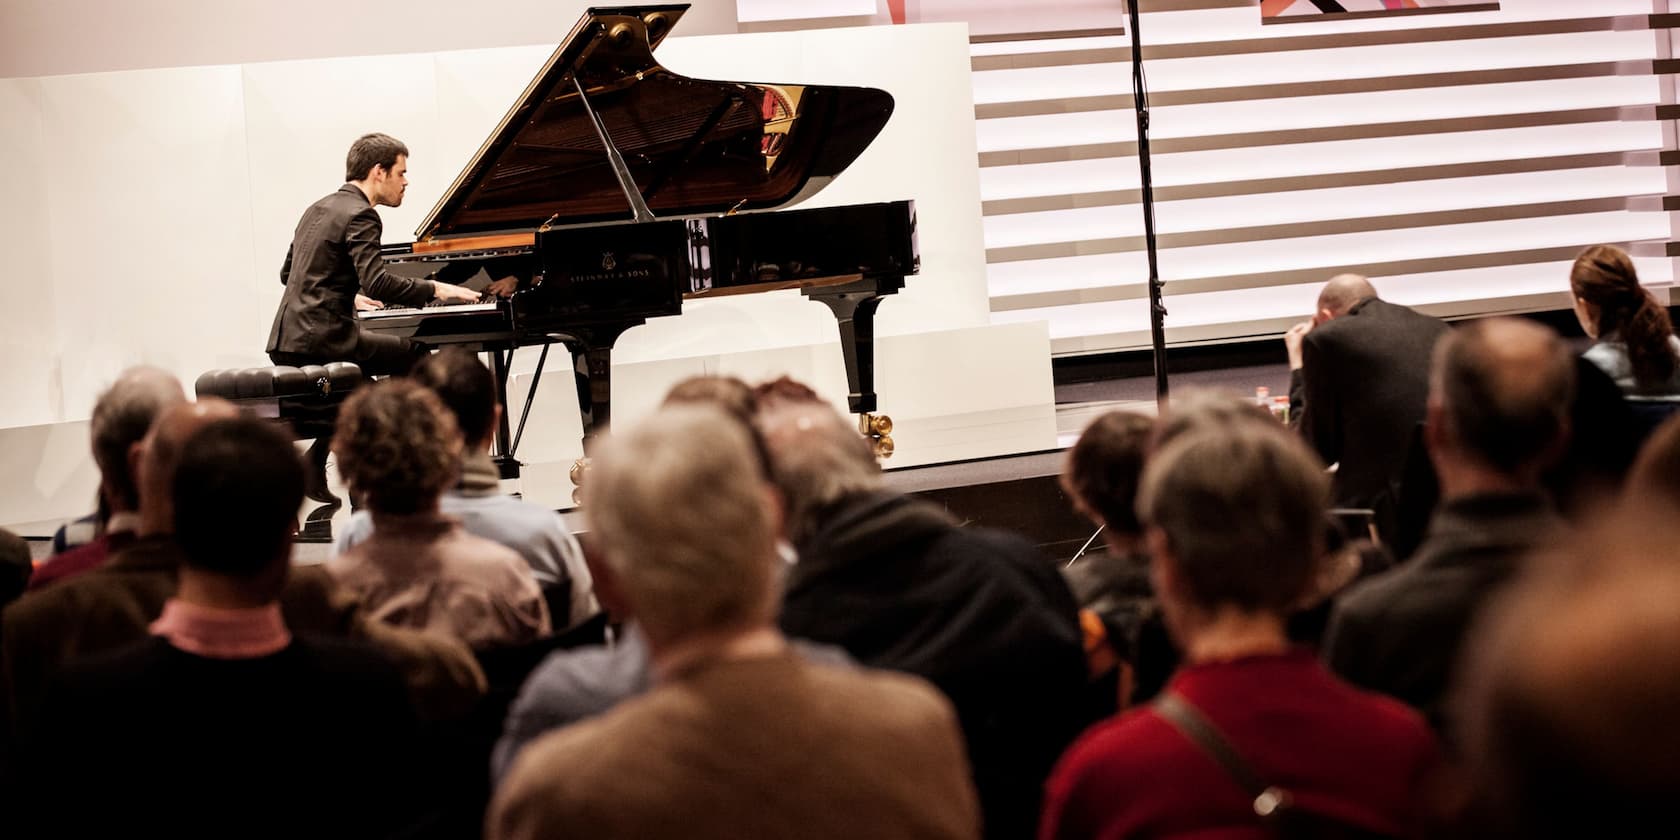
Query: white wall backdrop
x=153, y=207
x=54, y=37
x=147, y=213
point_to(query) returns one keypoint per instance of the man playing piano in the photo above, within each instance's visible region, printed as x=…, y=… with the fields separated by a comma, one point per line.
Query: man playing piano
x=333, y=261
x=335, y=255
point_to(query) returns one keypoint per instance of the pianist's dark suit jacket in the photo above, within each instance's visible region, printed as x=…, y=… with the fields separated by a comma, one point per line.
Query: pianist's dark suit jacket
x=334, y=255
x=1362, y=387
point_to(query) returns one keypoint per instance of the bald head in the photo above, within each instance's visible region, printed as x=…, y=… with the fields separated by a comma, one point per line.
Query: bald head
x=161, y=453
x=121, y=417
x=1342, y=292
x=1570, y=689
x=1501, y=389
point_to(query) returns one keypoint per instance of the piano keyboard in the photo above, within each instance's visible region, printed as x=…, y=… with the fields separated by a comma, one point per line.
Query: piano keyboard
x=428, y=310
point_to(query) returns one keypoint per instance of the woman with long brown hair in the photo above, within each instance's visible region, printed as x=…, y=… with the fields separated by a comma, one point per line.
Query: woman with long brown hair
x=1636, y=343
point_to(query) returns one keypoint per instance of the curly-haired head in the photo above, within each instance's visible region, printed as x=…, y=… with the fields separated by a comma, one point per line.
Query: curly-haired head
x=398, y=447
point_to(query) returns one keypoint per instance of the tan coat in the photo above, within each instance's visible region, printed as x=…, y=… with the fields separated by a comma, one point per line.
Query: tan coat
x=772, y=747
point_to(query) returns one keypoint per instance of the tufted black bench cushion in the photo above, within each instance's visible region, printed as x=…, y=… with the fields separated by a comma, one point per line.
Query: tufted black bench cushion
x=306, y=398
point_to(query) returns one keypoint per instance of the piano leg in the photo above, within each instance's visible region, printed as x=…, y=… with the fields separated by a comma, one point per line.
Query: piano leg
x=502, y=456
x=854, y=308
x=593, y=366
x=591, y=349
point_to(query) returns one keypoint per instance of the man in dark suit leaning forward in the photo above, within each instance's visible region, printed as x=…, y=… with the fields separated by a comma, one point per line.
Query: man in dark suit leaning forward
x=335, y=256
x=333, y=262
x=1358, y=386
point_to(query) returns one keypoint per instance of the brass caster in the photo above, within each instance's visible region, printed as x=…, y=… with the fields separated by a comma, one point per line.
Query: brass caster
x=878, y=429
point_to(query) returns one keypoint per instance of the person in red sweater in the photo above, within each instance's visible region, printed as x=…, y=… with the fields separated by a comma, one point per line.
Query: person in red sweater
x=1234, y=520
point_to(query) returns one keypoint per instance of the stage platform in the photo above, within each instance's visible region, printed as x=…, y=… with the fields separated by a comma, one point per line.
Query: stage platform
x=1017, y=492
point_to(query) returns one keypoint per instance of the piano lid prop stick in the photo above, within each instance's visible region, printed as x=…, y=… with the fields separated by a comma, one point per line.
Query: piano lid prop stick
x=638, y=207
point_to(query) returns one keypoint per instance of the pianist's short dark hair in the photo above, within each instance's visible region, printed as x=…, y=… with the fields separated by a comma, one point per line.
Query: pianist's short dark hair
x=236, y=492
x=465, y=386
x=372, y=150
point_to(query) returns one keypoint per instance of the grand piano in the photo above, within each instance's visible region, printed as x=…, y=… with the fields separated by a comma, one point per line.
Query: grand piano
x=619, y=190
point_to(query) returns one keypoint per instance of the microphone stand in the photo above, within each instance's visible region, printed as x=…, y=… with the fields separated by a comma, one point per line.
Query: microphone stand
x=1157, y=308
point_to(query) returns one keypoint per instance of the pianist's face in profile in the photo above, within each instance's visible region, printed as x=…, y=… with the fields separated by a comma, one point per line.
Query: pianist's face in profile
x=388, y=184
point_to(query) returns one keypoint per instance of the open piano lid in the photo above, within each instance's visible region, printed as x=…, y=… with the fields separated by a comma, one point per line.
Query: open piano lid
x=692, y=146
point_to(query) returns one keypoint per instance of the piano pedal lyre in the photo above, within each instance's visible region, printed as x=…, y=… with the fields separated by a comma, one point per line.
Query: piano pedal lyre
x=878, y=429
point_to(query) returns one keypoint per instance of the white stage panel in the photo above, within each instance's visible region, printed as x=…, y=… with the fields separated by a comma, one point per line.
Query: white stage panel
x=150, y=227
x=28, y=325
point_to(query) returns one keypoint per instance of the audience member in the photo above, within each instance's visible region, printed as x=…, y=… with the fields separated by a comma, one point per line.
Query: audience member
x=1568, y=692
x=83, y=529
x=1604, y=437
x=116, y=604
x=1498, y=416
x=206, y=728
x=1100, y=477
x=1234, y=521
x=899, y=584
x=121, y=417
x=468, y=390
x=1358, y=384
x=739, y=737
x=1636, y=343
x=571, y=685
x=1197, y=409
x=729, y=393
x=398, y=448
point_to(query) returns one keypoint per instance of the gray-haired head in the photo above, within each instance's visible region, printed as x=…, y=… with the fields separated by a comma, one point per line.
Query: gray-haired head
x=816, y=460
x=1242, y=512
x=121, y=417
x=685, y=523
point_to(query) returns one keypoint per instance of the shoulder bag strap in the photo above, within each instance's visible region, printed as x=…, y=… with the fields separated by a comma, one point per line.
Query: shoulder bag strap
x=1189, y=721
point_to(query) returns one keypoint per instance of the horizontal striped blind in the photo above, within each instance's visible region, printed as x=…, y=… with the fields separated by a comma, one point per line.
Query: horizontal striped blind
x=1460, y=159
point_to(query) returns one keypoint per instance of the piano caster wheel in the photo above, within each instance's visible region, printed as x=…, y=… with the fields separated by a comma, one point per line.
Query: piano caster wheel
x=884, y=447
x=878, y=429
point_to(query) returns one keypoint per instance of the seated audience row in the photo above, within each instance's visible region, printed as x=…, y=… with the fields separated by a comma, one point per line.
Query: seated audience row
x=759, y=571
x=739, y=736
x=893, y=583
x=227, y=702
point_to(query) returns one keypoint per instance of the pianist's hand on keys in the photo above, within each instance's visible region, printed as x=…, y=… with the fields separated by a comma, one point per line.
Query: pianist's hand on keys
x=451, y=293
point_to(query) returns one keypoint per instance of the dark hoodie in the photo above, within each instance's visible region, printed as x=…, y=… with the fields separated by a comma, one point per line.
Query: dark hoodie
x=976, y=612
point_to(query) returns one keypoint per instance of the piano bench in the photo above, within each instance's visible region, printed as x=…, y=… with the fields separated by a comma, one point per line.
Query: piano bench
x=305, y=398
